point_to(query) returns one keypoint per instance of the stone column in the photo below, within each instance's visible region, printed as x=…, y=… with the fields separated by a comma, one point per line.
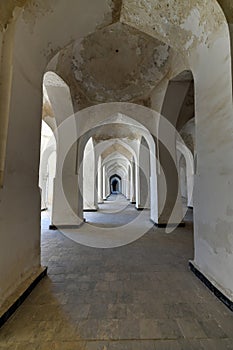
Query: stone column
x=143, y=198
x=132, y=181
x=170, y=209
x=89, y=178
x=100, y=181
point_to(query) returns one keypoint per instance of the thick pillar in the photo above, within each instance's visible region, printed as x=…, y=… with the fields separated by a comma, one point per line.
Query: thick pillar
x=66, y=208
x=170, y=209
x=143, y=198
x=104, y=182
x=43, y=187
x=107, y=186
x=132, y=181
x=128, y=183
x=66, y=195
x=169, y=197
x=100, y=181
x=20, y=202
x=89, y=178
x=44, y=176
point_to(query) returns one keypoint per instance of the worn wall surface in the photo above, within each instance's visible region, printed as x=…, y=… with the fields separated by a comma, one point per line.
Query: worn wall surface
x=196, y=29
x=37, y=37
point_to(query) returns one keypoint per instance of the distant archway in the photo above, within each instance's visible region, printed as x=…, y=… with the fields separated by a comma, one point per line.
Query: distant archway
x=115, y=183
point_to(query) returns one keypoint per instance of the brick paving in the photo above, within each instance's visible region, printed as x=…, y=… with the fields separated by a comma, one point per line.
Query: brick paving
x=139, y=296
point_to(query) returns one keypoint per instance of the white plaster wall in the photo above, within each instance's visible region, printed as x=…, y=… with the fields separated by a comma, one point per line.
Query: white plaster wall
x=65, y=210
x=169, y=196
x=100, y=180
x=47, y=169
x=51, y=175
x=213, y=198
x=210, y=60
x=182, y=177
x=188, y=172
x=89, y=177
x=20, y=195
x=37, y=37
x=105, y=193
x=143, y=200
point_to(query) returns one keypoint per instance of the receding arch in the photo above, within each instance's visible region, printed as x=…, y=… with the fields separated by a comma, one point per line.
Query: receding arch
x=47, y=166
x=115, y=183
x=194, y=36
x=89, y=177
x=189, y=160
x=144, y=197
x=99, y=117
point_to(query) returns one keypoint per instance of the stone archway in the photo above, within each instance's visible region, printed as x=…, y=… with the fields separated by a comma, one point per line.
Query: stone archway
x=115, y=183
x=199, y=32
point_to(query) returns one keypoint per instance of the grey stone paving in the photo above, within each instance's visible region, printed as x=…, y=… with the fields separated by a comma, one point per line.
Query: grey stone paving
x=138, y=297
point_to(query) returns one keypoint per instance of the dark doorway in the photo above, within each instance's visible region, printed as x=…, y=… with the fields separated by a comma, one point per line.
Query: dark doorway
x=115, y=184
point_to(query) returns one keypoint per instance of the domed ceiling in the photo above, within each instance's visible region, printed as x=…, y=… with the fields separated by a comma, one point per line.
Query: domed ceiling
x=117, y=63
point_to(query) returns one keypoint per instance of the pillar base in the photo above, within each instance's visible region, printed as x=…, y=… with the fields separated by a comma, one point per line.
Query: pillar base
x=160, y=225
x=22, y=294
x=89, y=210
x=55, y=228
x=133, y=202
x=142, y=208
x=223, y=298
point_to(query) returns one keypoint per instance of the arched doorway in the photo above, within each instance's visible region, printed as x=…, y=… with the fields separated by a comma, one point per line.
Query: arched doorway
x=115, y=184
x=203, y=56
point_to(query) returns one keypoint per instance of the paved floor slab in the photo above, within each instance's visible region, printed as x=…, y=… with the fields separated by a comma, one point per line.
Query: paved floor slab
x=139, y=296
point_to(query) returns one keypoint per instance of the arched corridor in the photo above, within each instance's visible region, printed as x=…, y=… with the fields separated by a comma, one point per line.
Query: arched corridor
x=116, y=173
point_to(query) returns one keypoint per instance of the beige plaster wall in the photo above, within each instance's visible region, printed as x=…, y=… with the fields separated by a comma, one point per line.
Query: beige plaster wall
x=197, y=30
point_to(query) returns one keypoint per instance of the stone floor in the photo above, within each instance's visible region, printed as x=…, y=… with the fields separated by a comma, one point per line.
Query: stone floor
x=141, y=296
x=115, y=224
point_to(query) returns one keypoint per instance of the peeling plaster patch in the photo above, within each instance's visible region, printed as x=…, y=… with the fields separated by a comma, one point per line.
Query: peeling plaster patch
x=161, y=55
x=146, y=102
x=174, y=22
x=78, y=74
x=64, y=68
x=112, y=15
x=32, y=9
x=47, y=110
x=189, y=43
x=37, y=8
x=118, y=63
x=192, y=22
x=7, y=11
x=116, y=131
x=116, y=6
